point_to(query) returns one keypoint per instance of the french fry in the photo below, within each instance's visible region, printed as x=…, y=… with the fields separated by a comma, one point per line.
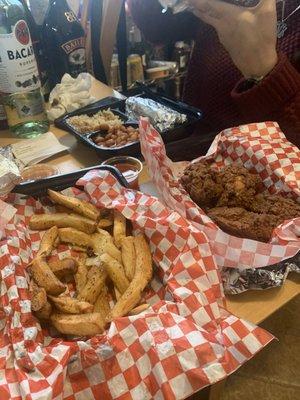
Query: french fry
x=117, y=293
x=78, y=206
x=62, y=209
x=95, y=282
x=38, y=296
x=116, y=272
x=142, y=277
x=102, y=304
x=63, y=268
x=128, y=256
x=45, y=312
x=99, y=242
x=139, y=309
x=105, y=223
x=68, y=305
x=62, y=220
x=79, y=249
x=127, y=301
x=81, y=276
x=48, y=242
x=45, y=278
x=79, y=325
x=75, y=237
x=104, y=244
x=119, y=228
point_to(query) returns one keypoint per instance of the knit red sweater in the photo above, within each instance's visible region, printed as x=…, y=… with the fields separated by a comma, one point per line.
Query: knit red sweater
x=213, y=82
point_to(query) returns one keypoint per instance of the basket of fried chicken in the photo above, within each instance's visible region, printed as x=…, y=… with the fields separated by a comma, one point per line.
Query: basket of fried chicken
x=244, y=194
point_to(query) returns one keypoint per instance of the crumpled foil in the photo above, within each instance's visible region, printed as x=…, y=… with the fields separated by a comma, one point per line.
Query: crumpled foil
x=9, y=174
x=176, y=5
x=160, y=116
x=239, y=280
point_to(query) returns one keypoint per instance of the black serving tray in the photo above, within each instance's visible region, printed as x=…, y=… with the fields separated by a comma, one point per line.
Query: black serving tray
x=60, y=182
x=118, y=107
x=129, y=149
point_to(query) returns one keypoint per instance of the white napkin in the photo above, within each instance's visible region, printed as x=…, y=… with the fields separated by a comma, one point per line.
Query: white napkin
x=33, y=151
x=70, y=94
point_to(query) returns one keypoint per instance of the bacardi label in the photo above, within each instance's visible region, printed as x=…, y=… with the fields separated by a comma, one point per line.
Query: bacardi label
x=18, y=67
x=75, y=51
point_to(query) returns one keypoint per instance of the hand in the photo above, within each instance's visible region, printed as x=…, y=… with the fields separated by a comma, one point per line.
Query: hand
x=248, y=34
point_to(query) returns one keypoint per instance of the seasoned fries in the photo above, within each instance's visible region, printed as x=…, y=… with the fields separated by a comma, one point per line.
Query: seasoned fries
x=45, y=312
x=45, y=278
x=95, y=282
x=63, y=268
x=102, y=304
x=81, y=276
x=142, y=276
x=119, y=228
x=78, y=206
x=128, y=256
x=139, y=309
x=69, y=305
x=48, y=242
x=80, y=325
x=62, y=220
x=38, y=296
x=105, y=278
x=75, y=237
x=115, y=272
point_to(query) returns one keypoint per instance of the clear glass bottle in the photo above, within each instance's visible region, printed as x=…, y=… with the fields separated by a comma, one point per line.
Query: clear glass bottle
x=64, y=40
x=35, y=33
x=19, y=77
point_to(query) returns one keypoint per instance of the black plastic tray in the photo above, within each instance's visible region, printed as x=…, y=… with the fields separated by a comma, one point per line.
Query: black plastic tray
x=118, y=106
x=129, y=149
x=61, y=182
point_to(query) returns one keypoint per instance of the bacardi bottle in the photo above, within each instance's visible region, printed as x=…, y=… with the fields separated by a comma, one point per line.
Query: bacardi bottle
x=19, y=77
x=64, y=40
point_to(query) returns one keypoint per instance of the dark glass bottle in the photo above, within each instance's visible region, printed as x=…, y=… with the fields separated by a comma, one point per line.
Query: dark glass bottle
x=64, y=40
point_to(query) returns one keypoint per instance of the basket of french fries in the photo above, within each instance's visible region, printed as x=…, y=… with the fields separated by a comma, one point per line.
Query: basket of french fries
x=106, y=293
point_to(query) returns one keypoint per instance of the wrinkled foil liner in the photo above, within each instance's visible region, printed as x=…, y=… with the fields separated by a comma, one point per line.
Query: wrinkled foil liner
x=239, y=280
x=160, y=116
x=176, y=5
x=9, y=175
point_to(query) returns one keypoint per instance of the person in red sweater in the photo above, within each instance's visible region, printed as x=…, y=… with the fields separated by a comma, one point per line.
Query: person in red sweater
x=242, y=68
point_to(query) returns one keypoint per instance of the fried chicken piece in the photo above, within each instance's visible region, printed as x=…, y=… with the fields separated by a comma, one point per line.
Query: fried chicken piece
x=284, y=208
x=238, y=222
x=239, y=186
x=200, y=181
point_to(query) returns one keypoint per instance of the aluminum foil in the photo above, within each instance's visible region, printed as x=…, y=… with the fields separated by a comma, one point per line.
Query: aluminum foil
x=239, y=280
x=176, y=5
x=160, y=116
x=9, y=175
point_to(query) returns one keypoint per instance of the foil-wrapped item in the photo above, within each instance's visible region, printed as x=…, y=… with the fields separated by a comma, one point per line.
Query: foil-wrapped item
x=239, y=280
x=160, y=116
x=9, y=175
x=176, y=5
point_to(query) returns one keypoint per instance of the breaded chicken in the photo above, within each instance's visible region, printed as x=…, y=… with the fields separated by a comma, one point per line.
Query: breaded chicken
x=239, y=186
x=265, y=203
x=238, y=222
x=200, y=181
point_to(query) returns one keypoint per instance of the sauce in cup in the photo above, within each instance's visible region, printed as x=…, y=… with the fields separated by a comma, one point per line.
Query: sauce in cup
x=130, y=167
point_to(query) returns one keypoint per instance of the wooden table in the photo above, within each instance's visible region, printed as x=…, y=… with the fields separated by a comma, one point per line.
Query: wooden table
x=254, y=306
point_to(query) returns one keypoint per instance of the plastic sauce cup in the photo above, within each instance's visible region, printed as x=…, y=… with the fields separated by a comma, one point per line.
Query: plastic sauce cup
x=129, y=167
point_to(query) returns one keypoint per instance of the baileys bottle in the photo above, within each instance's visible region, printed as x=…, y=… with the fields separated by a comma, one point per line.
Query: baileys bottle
x=64, y=41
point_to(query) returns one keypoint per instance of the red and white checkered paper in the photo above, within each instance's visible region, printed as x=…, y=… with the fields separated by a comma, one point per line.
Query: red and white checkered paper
x=186, y=340
x=261, y=148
